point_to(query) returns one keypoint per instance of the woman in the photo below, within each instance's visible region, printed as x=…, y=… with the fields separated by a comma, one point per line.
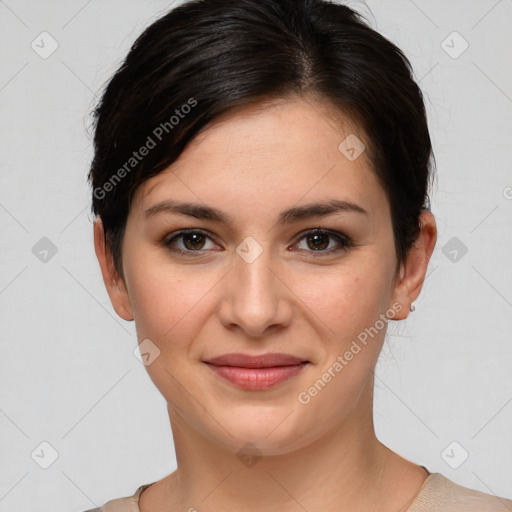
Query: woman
x=260, y=182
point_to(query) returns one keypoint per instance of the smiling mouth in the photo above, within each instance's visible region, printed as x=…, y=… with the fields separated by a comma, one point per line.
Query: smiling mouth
x=267, y=360
x=257, y=372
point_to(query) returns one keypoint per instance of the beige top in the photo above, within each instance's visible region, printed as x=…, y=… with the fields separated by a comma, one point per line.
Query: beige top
x=437, y=494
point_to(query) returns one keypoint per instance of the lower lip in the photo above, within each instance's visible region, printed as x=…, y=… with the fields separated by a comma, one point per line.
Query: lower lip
x=257, y=378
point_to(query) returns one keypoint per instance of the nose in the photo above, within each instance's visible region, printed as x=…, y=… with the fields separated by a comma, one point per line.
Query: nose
x=255, y=299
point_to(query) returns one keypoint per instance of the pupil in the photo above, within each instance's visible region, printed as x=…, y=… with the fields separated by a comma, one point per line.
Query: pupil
x=317, y=242
x=196, y=240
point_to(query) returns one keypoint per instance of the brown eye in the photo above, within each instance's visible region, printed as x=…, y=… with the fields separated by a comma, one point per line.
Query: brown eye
x=319, y=241
x=193, y=242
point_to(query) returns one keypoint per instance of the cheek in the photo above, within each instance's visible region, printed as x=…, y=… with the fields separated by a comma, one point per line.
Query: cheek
x=169, y=310
x=345, y=300
x=347, y=307
x=169, y=302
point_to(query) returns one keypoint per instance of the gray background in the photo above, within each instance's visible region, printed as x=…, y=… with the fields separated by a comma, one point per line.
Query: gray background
x=68, y=373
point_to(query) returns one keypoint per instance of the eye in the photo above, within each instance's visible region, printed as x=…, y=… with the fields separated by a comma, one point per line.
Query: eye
x=318, y=241
x=192, y=240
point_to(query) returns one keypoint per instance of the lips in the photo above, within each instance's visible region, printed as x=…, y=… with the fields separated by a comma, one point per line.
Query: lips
x=268, y=360
x=257, y=373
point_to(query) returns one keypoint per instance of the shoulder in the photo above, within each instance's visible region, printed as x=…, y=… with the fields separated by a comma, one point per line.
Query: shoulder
x=440, y=493
x=126, y=504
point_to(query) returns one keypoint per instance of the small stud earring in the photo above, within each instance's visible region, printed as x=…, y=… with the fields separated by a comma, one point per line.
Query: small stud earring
x=412, y=308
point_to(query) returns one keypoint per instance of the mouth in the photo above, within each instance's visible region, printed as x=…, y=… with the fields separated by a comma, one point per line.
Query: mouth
x=257, y=373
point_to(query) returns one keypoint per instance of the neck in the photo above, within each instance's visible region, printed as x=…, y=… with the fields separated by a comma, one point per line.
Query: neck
x=346, y=469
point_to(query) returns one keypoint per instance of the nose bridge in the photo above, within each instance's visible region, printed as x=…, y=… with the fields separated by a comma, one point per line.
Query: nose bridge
x=255, y=299
x=254, y=278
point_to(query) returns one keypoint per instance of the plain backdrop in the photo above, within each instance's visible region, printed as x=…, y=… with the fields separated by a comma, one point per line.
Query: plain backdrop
x=74, y=398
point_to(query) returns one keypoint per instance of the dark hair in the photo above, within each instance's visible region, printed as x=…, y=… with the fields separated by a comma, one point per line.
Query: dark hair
x=207, y=57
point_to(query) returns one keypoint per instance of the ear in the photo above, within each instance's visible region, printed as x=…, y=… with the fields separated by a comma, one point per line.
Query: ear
x=412, y=274
x=114, y=284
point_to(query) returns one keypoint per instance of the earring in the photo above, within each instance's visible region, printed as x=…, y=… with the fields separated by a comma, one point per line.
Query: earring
x=412, y=308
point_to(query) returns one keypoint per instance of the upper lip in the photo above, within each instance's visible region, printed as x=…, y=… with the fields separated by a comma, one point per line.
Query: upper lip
x=261, y=361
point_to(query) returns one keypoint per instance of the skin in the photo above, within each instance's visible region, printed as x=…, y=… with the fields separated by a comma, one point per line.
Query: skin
x=252, y=164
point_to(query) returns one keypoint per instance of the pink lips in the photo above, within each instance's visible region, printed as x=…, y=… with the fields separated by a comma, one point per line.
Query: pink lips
x=256, y=372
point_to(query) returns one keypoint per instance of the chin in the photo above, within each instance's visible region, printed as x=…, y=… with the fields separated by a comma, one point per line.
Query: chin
x=251, y=431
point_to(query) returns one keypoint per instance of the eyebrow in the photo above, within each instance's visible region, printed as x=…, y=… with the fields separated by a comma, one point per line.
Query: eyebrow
x=198, y=211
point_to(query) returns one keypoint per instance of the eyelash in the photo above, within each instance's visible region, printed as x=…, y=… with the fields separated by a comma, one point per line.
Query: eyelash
x=344, y=241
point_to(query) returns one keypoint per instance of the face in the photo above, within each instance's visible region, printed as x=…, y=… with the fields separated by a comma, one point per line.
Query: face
x=259, y=270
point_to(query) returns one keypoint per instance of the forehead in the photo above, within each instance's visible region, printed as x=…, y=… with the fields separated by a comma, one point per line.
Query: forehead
x=280, y=153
